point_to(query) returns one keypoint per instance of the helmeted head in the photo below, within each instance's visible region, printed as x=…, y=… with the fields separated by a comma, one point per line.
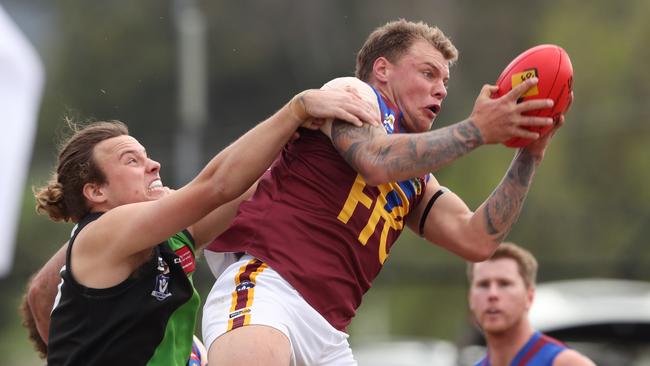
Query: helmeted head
x=409, y=64
x=502, y=289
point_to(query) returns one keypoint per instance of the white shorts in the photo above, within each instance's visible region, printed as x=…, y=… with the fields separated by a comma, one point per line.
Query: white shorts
x=250, y=292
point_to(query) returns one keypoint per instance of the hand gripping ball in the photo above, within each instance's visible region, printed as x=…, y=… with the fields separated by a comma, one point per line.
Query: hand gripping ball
x=552, y=66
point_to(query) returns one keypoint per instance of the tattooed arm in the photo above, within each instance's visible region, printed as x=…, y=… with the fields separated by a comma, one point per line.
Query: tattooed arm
x=381, y=158
x=475, y=235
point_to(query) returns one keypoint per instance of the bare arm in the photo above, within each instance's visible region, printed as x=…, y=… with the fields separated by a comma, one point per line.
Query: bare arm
x=229, y=174
x=475, y=235
x=42, y=291
x=381, y=158
x=30, y=324
x=108, y=249
x=312, y=108
x=501, y=210
x=226, y=177
x=217, y=221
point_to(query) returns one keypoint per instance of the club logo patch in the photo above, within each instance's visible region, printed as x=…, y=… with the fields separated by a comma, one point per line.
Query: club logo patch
x=161, y=289
x=520, y=77
x=389, y=122
x=244, y=286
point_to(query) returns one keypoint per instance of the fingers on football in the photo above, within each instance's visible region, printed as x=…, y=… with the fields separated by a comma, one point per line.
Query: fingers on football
x=317, y=123
x=536, y=121
x=522, y=88
x=527, y=134
x=368, y=113
x=355, y=113
x=534, y=104
x=351, y=118
x=487, y=90
x=353, y=91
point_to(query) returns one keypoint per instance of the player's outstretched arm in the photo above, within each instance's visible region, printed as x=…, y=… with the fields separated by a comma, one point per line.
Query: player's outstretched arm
x=310, y=108
x=475, y=235
x=502, y=208
x=137, y=227
x=445, y=220
x=381, y=158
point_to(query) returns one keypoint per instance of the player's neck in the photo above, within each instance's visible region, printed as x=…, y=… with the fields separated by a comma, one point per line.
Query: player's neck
x=504, y=346
x=386, y=93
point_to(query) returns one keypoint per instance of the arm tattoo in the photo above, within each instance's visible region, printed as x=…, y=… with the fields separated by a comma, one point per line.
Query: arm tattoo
x=349, y=140
x=504, y=204
x=406, y=155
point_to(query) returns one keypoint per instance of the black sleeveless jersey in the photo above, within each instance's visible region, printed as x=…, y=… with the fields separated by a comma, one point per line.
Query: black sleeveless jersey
x=148, y=319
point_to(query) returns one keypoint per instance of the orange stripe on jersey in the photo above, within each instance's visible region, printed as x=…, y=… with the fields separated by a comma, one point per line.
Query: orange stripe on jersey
x=242, y=297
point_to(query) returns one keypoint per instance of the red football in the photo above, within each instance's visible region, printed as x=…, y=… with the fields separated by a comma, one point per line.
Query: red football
x=552, y=66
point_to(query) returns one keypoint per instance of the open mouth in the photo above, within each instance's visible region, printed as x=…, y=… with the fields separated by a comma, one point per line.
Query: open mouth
x=434, y=108
x=156, y=184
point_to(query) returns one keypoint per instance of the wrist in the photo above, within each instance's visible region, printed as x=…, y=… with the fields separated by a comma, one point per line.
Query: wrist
x=297, y=106
x=470, y=133
x=529, y=158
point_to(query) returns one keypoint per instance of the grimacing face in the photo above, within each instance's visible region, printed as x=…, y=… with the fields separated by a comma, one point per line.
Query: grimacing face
x=131, y=176
x=417, y=84
x=498, y=297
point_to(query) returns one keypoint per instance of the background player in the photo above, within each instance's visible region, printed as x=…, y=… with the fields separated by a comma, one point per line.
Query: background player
x=502, y=289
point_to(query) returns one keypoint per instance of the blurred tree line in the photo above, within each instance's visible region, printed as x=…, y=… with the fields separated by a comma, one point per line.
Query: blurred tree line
x=588, y=210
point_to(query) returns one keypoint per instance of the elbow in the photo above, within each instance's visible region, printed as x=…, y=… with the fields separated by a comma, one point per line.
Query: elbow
x=482, y=251
x=478, y=245
x=226, y=188
x=373, y=179
x=372, y=175
x=474, y=247
x=34, y=292
x=219, y=192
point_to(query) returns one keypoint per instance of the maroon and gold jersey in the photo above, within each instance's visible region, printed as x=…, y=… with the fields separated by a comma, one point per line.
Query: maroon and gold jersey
x=315, y=221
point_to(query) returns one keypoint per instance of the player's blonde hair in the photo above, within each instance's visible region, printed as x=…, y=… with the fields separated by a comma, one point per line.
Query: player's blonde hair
x=393, y=39
x=526, y=262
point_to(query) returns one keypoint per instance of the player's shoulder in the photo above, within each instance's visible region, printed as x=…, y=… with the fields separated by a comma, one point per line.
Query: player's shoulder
x=570, y=357
x=361, y=88
x=349, y=82
x=344, y=81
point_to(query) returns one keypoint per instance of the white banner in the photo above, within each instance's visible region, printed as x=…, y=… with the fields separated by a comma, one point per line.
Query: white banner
x=21, y=85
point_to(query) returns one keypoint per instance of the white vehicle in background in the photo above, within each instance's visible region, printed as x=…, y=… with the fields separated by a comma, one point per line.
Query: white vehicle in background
x=606, y=319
